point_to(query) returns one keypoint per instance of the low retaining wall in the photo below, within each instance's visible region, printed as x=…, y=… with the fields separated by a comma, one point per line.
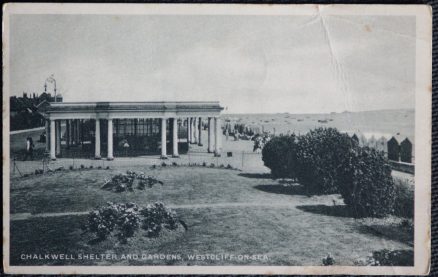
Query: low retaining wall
x=403, y=167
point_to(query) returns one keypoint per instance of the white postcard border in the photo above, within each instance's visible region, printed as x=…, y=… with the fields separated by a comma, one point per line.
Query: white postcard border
x=423, y=123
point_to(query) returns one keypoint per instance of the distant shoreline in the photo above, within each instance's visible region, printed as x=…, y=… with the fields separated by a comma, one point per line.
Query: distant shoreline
x=330, y=113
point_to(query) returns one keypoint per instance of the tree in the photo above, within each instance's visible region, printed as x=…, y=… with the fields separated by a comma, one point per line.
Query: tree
x=280, y=155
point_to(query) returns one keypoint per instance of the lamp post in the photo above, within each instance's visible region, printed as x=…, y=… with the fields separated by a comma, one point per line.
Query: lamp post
x=52, y=80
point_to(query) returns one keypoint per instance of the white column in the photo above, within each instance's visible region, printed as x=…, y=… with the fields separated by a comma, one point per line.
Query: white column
x=47, y=135
x=188, y=130
x=58, y=137
x=52, y=139
x=110, y=139
x=195, y=134
x=175, y=153
x=217, y=137
x=210, y=135
x=67, y=133
x=163, y=139
x=199, y=131
x=78, y=132
x=71, y=132
x=97, y=140
x=75, y=131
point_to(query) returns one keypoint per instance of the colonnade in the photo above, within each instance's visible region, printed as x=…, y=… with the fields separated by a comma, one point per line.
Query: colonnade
x=194, y=135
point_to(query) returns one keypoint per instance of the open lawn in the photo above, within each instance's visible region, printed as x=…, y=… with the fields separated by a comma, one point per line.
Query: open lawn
x=226, y=212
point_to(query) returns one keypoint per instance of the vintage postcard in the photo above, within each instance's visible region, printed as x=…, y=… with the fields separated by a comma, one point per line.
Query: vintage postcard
x=216, y=139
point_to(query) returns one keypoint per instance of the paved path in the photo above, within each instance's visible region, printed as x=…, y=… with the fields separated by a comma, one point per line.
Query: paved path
x=26, y=216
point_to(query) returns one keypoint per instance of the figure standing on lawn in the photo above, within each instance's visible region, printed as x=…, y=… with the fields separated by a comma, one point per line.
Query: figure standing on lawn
x=29, y=148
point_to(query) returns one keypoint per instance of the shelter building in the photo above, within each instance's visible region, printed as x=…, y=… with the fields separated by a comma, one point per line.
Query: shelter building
x=131, y=128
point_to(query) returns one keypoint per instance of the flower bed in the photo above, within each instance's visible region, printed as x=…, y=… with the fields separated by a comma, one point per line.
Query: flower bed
x=387, y=257
x=123, y=220
x=129, y=181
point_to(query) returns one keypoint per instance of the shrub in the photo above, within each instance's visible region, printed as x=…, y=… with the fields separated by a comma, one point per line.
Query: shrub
x=407, y=224
x=107, y=167
x=280, y=156
x=212, y=165
x=147, y=181
x=404, y=199
x=387, y=257
x=156, y=217
x=163, y=164
x=123, y=218
x=365, y=183
x=329, y=260
x=99, y=167
x=91, y=167
x=174, y=164
x=82, y=166
x=320, y=152
x=125, y=182
x=204, y=164
x=229, y=166
x=71, y=167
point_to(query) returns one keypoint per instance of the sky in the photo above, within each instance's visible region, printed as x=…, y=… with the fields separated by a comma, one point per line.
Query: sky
x=250, y=63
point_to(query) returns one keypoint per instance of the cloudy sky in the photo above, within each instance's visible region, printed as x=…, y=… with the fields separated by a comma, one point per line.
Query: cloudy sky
x=251, y=64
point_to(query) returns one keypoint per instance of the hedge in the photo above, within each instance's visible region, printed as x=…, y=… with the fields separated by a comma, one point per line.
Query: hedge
x=366, y=184
x=404, y=199
x=320, y=152
x=280, y=155
x=325, y=161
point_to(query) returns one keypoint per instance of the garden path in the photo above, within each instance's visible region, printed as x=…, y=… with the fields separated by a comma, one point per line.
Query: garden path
x=229, y=205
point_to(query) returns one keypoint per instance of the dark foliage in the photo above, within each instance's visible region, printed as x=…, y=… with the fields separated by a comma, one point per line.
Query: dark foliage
x=387, y=257
x=280, y=155
x=156, y=217
x=365, y=182
x=320, y=153
x=404, y=200
x=325, y=161
x=123, y=218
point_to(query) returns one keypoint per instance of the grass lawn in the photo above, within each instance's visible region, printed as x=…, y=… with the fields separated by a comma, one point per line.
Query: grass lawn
x=226, y=211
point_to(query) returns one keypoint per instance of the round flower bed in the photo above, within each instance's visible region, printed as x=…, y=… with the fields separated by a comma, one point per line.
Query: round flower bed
x=123, y=220
x=129, y=181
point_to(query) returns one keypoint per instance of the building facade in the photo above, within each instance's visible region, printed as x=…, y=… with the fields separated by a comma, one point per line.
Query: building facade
x=131, y=127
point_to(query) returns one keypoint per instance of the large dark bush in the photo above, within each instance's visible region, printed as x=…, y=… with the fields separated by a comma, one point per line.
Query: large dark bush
x=320, y=153
x=365, y=182
x=280, y=155
x=404, y=199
